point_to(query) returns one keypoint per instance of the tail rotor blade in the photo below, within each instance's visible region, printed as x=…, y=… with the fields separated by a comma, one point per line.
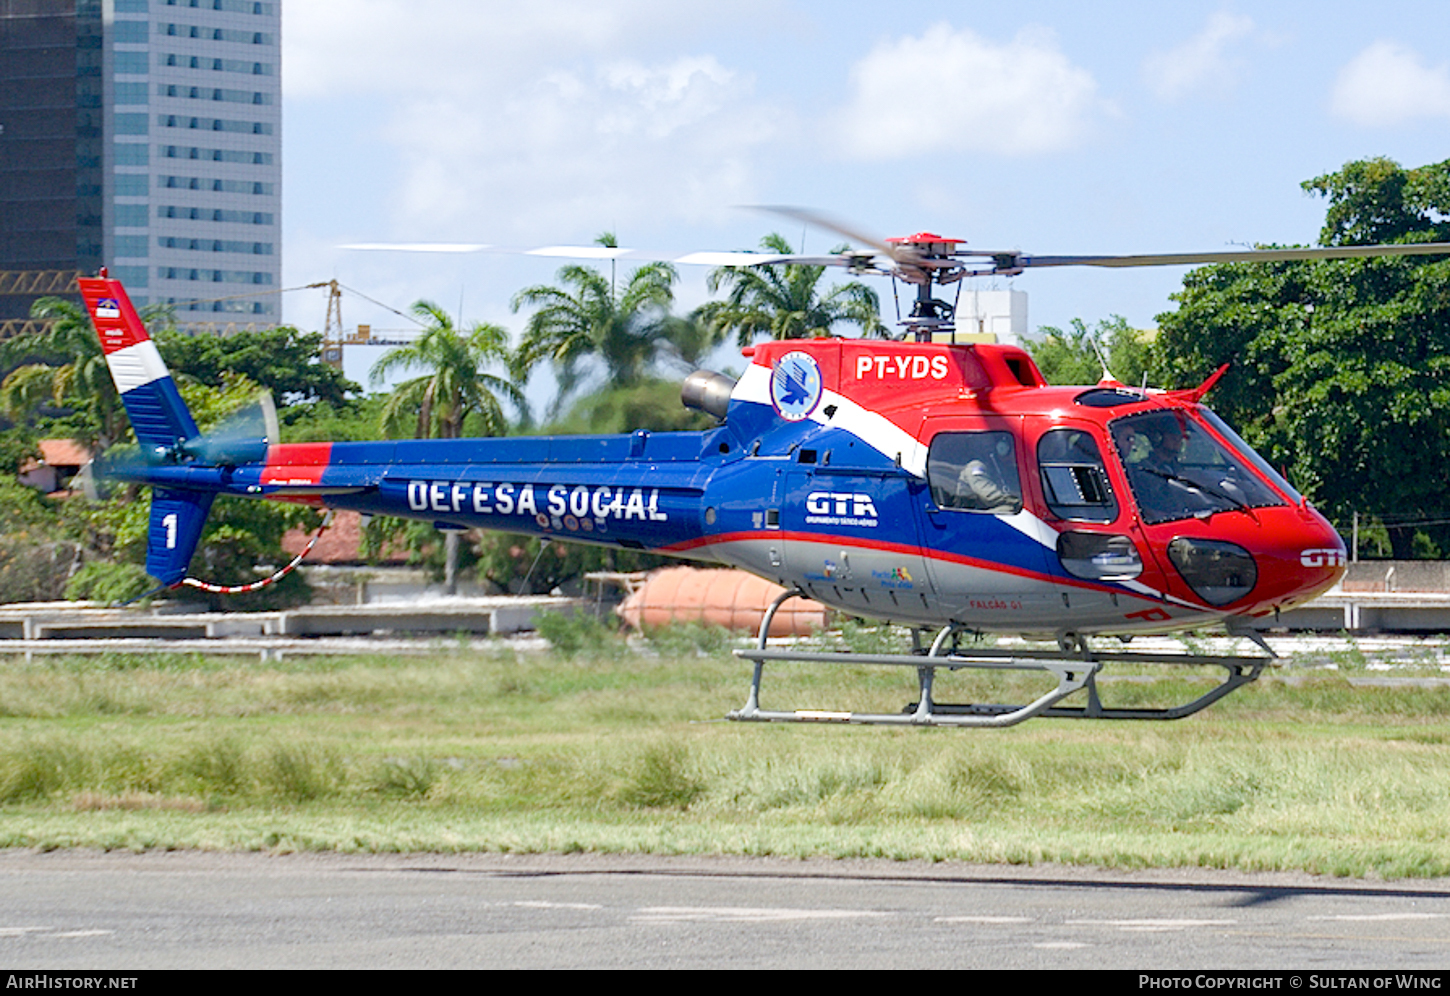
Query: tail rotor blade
x=88, y=484
x=119, y=464
x=242, y=437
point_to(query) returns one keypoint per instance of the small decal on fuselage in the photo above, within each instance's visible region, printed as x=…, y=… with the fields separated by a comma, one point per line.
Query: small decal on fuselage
x=1321, y=558
x=1149, y=615
x=902, y=367
x=839, y=508
x=796, y=386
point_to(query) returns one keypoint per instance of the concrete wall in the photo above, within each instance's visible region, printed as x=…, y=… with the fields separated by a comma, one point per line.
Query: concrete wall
x=1398, y=575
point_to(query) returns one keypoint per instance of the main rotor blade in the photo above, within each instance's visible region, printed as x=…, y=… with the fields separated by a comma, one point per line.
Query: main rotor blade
x=707, y=258
x=1232, y=256
x=809, y=217
x=1006, y=261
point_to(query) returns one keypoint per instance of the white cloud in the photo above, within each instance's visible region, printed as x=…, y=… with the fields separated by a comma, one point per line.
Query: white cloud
x=345, y=47
x=1388, y=84
x=502, y=120
x=951, y=90
x=621, y=141
x=1202, y=62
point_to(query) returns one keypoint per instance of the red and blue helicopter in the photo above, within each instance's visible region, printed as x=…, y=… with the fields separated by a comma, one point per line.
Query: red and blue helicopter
x=938, y=484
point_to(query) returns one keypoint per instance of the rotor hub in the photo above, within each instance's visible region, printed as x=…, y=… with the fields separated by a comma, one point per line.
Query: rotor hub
x=928, y=243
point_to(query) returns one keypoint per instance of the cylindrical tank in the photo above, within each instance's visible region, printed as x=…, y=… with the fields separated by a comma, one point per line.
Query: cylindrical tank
x=732, y=599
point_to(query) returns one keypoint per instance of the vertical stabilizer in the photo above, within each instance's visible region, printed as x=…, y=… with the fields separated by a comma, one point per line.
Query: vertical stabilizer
x=176, y=521
x=157, y=413
x=160, y=419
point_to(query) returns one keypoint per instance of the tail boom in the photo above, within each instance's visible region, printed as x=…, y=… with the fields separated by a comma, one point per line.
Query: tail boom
x=641, y=491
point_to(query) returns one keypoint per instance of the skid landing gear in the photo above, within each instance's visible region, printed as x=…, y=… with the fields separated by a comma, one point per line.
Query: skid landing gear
x=1075, y=667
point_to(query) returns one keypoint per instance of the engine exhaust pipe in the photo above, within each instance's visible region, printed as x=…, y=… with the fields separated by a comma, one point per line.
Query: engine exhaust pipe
x=707, y=391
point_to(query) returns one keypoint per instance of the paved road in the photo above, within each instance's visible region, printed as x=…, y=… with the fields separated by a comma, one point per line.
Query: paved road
x=192, y=910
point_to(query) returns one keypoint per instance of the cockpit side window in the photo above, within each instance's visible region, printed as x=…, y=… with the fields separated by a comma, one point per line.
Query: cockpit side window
x=1177, y=470
x=975, y=472
x=1074, y=480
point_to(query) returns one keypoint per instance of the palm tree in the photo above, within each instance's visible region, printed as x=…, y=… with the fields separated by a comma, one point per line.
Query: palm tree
x=782, y=301
x=590, y=317
x=456, y=384
x=63, y=364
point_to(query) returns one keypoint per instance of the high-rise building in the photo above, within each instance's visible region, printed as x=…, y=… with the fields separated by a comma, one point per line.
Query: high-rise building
x=146, y=136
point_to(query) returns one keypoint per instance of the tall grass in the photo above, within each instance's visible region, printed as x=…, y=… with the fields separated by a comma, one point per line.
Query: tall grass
x=619, y=747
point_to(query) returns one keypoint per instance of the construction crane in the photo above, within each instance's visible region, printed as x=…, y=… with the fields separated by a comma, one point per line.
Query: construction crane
x=34, y=283
x=335, y=336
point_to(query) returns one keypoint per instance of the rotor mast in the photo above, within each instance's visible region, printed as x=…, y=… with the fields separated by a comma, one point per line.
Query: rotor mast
x=926, y=259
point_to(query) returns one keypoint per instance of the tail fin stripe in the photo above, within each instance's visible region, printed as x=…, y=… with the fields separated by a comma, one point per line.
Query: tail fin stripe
x=152, y=401
x=135, y=366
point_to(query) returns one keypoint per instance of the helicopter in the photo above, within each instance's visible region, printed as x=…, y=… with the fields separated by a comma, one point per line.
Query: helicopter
x=923, y=481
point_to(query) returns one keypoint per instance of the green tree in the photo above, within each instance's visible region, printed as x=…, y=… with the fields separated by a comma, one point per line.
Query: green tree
x=650, y=404
x=456, y=383
x=625, y=329
x=283, y=360
x=355, y=420
x=1071, y=356
x=62, y=366
x=38, y=553
x=785, y=302
x=1341, y=370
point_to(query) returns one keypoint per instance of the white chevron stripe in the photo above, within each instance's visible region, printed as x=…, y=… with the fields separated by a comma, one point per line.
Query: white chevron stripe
x=136, y=366
x=876, y=431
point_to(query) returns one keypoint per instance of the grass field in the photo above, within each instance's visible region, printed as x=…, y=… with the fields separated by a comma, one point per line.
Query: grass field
x=600, y=746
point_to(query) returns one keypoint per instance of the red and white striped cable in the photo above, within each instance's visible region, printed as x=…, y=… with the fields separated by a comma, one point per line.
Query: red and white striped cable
x=238, y=589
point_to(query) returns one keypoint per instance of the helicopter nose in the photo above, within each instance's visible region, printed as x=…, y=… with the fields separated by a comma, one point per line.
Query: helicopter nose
x=1301, y=557
x=1281, y=558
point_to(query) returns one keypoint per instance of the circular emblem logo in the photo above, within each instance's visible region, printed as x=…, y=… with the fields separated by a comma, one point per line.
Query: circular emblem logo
x=795, y=386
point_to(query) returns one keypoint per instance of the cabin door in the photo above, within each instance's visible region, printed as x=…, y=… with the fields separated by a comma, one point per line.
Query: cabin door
x=852, y=541
x=986, y=550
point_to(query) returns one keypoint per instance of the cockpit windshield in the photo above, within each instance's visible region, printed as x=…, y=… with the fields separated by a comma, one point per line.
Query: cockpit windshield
x=1177, y=470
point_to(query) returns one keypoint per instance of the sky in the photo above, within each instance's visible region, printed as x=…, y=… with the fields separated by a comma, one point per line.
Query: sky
x=1049, y=127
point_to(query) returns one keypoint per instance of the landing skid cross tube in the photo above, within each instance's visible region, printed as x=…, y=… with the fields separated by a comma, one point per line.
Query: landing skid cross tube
x=1075, y=670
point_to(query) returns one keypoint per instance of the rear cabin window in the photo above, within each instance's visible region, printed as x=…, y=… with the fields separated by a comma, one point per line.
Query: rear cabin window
x=975, y=472
x=1074, y=479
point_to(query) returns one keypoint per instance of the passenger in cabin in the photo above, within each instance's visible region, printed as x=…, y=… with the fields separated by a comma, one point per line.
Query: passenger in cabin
x=1178, y=470
x=984, y=484
x=975, y=472
x=1152, y=449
